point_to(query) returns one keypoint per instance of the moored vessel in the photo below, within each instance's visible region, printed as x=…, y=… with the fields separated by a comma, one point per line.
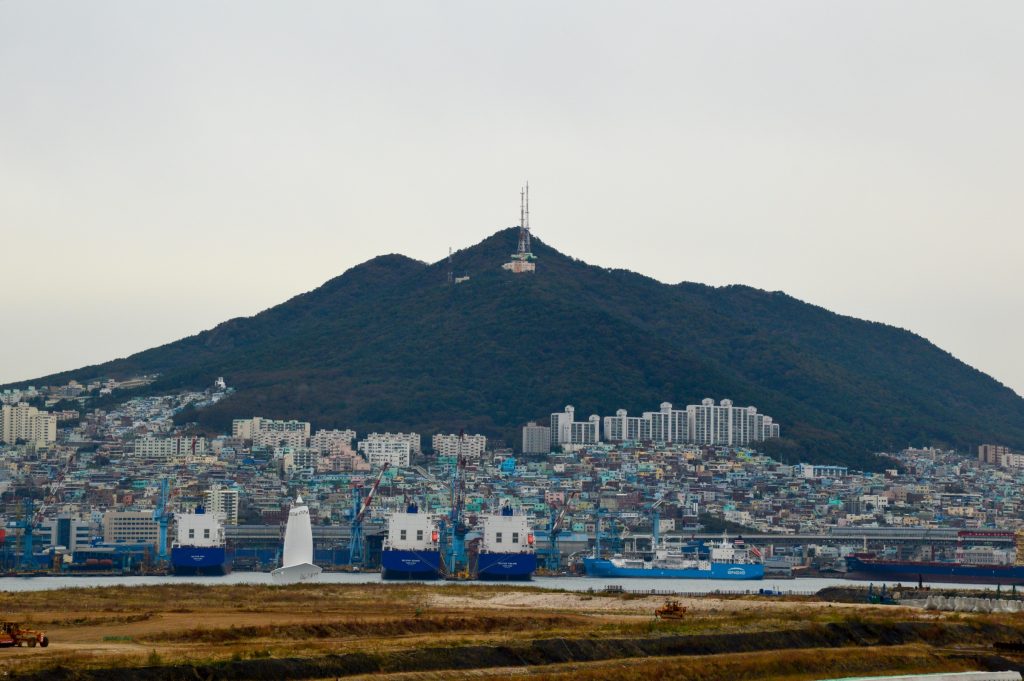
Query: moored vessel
x=726, y=560
x=870, y=568
x=200, y=547
x=411, y=549
x=506, y=547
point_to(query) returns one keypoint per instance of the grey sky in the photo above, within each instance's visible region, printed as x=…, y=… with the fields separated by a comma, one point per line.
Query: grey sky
x=165, y=166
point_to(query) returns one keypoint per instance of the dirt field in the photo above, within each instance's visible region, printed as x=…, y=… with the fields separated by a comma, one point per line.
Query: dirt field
x=460, y=631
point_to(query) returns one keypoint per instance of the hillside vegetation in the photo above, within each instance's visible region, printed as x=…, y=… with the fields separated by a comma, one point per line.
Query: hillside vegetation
x=389, y=345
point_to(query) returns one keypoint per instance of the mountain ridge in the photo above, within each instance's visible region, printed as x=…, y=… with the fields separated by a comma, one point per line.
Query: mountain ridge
x=389, y=344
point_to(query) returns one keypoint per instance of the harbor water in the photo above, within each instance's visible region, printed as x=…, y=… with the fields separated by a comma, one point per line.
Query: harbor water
x=799, y=586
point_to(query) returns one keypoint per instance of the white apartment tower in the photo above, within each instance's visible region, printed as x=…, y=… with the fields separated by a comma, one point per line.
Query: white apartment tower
x=566, y=430
x=471, y=447
x=270, y=433
x=378, y=451
x=223, y=500
x=24, y=422
x=706, y=423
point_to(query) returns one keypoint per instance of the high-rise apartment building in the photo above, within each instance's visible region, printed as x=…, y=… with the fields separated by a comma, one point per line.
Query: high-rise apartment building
x=380, y=450
x=223, y=500
x=566, y=430
x=169, y=447
x=468, y=446
x=706, y=423
x=993, y=454
x=536, y=439
x=270, y=433
x=24, y=422
x=332, y=441
x=413, y=439
x=300, y=458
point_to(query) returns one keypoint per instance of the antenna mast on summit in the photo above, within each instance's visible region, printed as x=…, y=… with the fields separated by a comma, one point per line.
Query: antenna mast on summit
x=524, y=220
x=523, y=257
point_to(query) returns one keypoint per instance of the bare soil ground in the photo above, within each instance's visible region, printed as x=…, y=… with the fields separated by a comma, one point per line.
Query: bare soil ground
x=462, y=631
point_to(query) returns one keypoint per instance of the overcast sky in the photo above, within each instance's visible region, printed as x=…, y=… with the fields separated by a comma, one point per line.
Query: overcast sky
x=165, y=166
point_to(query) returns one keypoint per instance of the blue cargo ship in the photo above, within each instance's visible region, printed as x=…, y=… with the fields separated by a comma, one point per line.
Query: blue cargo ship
x=200, y=547
x=506, y=547
x=411, y=550
x=879, y=570
x=725, y=561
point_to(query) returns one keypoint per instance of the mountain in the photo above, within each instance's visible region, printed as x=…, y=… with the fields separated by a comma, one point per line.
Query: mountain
x=390, y=345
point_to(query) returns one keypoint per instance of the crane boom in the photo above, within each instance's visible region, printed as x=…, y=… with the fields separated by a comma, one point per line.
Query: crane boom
x=373, y=491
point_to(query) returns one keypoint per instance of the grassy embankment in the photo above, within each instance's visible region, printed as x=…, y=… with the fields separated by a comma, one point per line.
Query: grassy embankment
x=413, y=631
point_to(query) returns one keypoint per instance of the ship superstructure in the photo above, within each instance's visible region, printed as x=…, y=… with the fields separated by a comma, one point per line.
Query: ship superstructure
x=412, y=548
x=200, y=547
x=725, y=560
x=506, y=547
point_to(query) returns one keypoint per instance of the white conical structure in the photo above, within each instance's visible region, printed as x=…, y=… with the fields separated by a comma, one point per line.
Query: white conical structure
x=297, y=557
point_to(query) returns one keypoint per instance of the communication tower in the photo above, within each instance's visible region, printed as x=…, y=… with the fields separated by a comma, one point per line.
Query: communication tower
x=522, y=259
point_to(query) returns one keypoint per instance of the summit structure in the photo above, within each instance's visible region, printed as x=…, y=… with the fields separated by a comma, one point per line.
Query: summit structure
x=522, y=259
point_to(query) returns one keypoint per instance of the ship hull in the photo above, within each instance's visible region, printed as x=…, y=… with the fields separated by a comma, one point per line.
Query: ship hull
x=905, y=571
x=407, y=564
x=200, y=560
x=293, y=574
x=506, y=566
x=598, y=567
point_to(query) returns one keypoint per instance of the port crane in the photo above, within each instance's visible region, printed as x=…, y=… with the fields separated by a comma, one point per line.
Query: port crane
x=611, y=536
x=33, y=516
x=162, y=518
x=360, y=506
x=655, y=523
x=554, y=557
x=455, y=558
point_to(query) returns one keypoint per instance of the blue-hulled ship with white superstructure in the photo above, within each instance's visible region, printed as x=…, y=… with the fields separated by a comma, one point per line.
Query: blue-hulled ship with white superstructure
x=200, y=547
x=411, y=549
x=506, y=547
x=727, y=560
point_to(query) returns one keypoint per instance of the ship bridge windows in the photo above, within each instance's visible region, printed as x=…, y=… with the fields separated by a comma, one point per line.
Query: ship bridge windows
x=191, y=533
x=206, y=533
x=419, y=535
x=515, y=537
x=497, y=537
x=401, y=535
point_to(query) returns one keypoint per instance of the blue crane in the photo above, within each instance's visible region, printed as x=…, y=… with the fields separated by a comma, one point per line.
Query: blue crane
x=655, y=523
x=360, y=506
x=162, y=518
x=27, y=560
x=611, y=536
x=456, y=560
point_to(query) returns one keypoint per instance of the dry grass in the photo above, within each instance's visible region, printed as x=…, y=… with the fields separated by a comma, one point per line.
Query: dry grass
x=100, y=628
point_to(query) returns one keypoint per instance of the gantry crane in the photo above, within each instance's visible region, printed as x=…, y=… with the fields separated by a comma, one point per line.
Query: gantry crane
x=162, y=518
x=554, y=557
x=360, y=506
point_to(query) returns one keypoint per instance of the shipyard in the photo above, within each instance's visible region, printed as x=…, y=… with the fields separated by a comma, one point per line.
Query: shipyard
x=454, y=340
